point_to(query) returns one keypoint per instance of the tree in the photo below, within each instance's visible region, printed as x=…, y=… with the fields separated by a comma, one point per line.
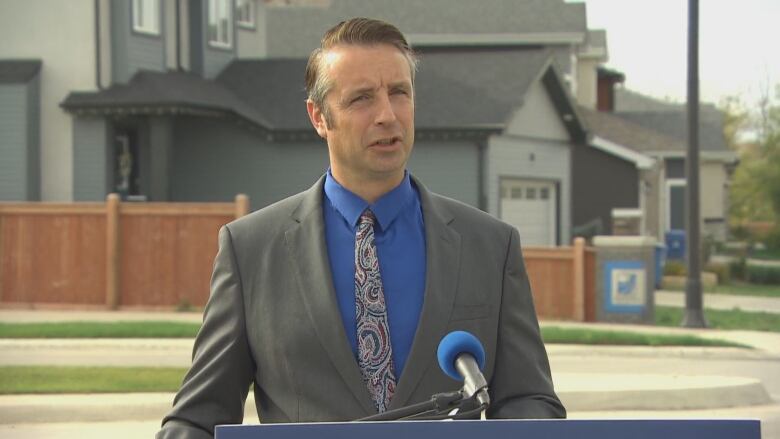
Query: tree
x=755, y=188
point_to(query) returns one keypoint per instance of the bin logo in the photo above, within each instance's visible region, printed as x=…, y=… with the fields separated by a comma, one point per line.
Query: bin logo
x=625, y=286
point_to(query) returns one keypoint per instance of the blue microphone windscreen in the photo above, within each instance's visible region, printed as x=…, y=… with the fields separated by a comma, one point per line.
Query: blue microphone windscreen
x=454, y=344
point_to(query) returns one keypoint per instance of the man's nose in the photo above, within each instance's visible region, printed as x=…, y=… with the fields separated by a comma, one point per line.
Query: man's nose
x=385, y=113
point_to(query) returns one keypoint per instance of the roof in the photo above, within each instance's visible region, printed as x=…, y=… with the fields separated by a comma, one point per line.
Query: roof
x=296, y=30
x=273, y=87
x=627, y=133
x=475, y=90
x=464, y=89
x=671, y=118
x=161, y=90
x=16, y=71
x=675, y=124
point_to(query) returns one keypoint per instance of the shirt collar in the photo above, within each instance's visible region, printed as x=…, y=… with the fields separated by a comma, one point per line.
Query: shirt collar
x=351, y=206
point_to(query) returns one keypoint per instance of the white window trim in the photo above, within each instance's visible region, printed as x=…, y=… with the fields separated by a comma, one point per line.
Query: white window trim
x=217, y=43
x=671, y=182
x=252, y=12
x=146, y=30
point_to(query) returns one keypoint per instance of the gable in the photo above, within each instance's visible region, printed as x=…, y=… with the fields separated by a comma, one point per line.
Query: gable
x=537, y=117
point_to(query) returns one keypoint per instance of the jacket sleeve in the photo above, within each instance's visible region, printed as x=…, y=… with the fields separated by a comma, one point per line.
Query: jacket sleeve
x=215, y=388
x=521, y=385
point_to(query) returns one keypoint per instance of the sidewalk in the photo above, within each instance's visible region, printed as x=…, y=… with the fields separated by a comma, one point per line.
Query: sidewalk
x=722, y=301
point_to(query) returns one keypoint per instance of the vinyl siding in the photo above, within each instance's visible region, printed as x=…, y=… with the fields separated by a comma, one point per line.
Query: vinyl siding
x=602, y=182
x=13, y=142
x=213, y=160
x=132, y=51
x=92, y=159
x=448, y=168
x=525, y=158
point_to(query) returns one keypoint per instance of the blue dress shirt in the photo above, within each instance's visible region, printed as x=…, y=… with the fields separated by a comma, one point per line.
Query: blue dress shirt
x=399, y=234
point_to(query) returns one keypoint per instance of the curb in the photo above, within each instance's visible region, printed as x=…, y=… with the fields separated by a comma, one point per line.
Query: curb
x=594, y=392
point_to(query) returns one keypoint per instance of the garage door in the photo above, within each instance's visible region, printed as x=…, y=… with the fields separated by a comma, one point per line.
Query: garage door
x=530, y=206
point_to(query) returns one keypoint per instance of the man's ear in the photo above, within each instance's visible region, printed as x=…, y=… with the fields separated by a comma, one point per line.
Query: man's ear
x=317, y=118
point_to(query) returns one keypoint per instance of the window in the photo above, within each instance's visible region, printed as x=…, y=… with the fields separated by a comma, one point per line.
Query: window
x=517, y=193
x=245, y=13
x=220, y=23
x=146, y=16
x=530, y=193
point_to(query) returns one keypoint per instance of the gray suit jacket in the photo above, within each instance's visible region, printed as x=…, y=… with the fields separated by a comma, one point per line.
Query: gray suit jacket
x=272, y=320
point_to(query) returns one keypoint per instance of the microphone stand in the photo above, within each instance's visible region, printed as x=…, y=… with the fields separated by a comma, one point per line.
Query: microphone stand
x=437, y=408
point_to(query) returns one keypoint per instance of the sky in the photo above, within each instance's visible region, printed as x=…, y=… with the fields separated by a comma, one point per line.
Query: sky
x=739, y=46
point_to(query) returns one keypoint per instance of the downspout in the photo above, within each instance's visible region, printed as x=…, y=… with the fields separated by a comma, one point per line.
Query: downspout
x=178, y=36
x=98, y=79
x=481, y=160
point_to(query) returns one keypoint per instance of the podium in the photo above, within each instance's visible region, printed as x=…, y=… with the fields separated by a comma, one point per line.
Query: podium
x=581, y=429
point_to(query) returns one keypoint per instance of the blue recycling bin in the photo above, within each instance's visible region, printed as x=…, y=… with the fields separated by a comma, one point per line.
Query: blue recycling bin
x=675, y=245
x=660, y=259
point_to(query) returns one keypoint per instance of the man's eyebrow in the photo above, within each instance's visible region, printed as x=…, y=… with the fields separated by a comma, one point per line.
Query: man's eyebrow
x=401, y=84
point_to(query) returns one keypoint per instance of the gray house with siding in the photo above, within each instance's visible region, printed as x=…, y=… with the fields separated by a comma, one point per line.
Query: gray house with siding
x=505, y=149
x=199, y=100
x=717, y=161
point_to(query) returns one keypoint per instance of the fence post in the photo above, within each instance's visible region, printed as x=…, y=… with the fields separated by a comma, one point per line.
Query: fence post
x=579, y=279
x=242, y=205
x=112, y=251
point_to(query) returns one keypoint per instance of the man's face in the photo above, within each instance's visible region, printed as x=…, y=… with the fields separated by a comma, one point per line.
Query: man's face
x=371, y=104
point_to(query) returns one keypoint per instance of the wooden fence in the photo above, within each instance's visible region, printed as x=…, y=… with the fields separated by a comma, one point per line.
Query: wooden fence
x=563, y=281
x=160, y=255
x=110, y=255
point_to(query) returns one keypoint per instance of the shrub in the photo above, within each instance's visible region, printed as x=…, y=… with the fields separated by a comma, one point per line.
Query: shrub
x=737, y=269
x=721, y=270
x=772, y=239
x=674, y=268
x=763, y=274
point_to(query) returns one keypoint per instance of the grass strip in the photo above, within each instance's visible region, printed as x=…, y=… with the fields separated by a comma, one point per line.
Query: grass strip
x=554, y=334
x=739, y=289
x=79, y=379
x=122, y=329
x=722, y=319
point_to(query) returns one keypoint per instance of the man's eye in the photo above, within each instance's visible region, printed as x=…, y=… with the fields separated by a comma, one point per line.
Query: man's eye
x=359, y=98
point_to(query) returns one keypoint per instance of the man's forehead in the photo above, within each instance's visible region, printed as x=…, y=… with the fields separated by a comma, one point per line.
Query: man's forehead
x=332, y=57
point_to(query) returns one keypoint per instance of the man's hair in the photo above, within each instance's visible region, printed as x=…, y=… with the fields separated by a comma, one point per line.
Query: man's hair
x=356, y=31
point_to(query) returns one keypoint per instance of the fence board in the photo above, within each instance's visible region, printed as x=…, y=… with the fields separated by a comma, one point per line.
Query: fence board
x=52, y=258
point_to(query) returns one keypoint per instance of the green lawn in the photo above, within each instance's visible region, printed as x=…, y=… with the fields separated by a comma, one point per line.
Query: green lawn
x=76, y=379
x=722, y=319
x=742, y=289
x=99, y=330
x=554, y=334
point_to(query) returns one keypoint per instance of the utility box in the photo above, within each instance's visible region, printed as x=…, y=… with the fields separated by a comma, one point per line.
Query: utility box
x=675, y=245
x=627, y=222
x=625, y=279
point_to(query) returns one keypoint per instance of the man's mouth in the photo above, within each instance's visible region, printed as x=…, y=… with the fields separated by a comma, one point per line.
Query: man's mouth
x=387, y=141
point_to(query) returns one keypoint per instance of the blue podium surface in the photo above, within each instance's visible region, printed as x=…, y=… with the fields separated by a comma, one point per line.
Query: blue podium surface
x=580, y=429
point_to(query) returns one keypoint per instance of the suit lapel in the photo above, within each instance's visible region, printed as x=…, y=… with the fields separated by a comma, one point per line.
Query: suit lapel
x=443, y=262
x=306, y=244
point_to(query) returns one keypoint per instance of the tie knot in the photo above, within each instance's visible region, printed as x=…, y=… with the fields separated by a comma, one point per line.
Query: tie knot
x=367, y=217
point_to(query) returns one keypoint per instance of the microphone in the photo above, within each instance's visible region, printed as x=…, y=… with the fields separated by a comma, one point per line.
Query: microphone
x=461, y=356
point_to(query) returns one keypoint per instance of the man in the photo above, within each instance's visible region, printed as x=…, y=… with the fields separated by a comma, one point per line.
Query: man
x=333, y=301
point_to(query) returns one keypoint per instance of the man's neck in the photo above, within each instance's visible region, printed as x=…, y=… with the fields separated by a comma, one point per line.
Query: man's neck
x=369, y=190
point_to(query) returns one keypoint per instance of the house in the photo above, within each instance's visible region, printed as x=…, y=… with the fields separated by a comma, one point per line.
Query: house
x=200, y=100
x=717, y=161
